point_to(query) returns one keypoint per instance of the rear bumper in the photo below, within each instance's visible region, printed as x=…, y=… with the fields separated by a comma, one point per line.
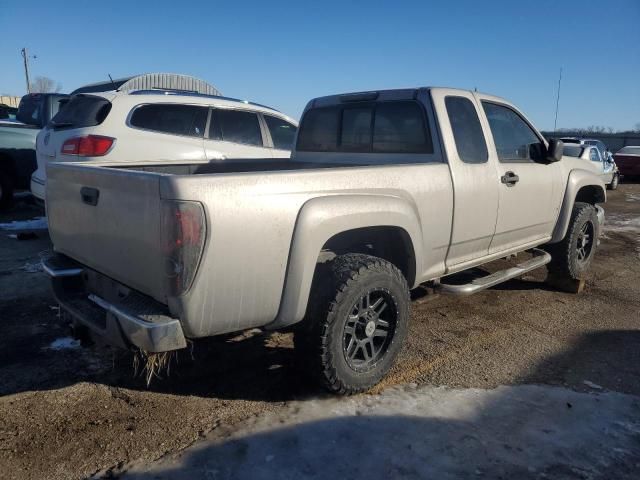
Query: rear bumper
x=120, y=316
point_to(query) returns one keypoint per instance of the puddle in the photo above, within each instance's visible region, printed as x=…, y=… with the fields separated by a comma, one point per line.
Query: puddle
x=64, y=343
x=38, y=223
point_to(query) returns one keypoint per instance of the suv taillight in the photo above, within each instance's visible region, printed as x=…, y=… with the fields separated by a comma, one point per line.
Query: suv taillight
x=87, y=146
x=183, y=232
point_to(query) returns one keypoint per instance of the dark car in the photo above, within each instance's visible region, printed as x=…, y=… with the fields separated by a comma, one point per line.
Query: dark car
x=7, y=112
x=628, y=160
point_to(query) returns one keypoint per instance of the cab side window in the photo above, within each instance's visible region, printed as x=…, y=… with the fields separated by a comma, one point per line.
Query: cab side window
x=515, y=140
x=594, y=155
x=467, y=130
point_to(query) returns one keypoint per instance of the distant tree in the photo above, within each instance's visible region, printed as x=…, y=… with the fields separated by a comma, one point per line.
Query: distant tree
x=44, y=85
x=636, y=127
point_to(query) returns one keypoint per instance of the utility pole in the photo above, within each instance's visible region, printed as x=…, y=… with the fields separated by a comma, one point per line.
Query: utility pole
x=25, y=56
x=555, y=122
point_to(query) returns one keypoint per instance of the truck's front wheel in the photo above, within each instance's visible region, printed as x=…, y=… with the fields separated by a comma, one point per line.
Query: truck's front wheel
x=356, y=322
x=573, y=255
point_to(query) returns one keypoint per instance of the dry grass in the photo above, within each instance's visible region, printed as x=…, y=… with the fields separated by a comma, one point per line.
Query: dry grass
x=155, y=364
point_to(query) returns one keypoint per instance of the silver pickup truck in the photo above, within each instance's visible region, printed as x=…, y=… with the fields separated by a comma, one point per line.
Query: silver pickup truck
x=386, y=190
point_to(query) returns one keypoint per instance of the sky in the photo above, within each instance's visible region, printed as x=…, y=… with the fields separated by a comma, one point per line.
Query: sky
x=284, y=53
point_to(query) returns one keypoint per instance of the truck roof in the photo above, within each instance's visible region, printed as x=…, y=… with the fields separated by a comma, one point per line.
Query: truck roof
x=390, y=94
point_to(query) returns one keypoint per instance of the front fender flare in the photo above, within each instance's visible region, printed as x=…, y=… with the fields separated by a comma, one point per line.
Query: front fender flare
x=577, y=180
x=323, y=217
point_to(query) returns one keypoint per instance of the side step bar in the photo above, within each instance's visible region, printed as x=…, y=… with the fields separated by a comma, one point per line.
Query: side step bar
x=540, y=258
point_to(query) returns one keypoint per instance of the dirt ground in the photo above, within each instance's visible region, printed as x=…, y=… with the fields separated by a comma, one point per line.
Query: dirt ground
x=68, y=411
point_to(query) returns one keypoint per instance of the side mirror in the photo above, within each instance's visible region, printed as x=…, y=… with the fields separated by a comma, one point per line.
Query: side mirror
x=554, y=151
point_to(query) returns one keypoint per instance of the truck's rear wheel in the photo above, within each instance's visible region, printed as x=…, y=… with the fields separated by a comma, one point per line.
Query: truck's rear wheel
x=356, y=322
x=571, y=257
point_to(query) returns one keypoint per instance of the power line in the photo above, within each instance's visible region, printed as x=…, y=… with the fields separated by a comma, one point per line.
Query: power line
x=25, y=56
x=555, y=122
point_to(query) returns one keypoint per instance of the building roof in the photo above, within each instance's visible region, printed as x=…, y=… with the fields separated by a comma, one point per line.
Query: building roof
x=150, y=81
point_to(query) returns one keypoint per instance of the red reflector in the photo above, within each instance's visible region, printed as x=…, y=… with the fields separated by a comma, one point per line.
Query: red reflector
x=87, y=146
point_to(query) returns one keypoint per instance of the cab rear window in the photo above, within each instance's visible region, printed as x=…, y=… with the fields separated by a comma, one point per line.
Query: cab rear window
x=82, y=111
x=378, y=127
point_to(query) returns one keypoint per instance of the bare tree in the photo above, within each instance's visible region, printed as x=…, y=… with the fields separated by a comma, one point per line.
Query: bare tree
x=45, y=85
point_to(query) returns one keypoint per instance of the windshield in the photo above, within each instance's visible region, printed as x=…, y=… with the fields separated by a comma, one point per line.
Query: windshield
x=81, y=111
x=29, y=109
x=572, y=151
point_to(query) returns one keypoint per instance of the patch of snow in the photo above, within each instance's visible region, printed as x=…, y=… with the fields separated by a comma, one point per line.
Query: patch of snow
x=619, y=222
x=632, y=197
x=624, y=223
x=425, y=432
x=64, y=343
x=38, y=223
x=589, y=384
x=32, y=267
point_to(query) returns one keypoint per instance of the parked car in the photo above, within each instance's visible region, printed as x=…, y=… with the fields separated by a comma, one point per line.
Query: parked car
x=628, y=160
x=384, y=191
x=18, y=141
x=605, y=168
x=153, y=126
x=7, y=112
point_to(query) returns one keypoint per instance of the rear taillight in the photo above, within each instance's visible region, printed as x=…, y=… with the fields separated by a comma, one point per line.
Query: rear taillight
x=87, y=146
x=183, y=233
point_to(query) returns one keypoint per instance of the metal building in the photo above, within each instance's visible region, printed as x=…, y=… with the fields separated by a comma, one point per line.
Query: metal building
x=149, y=81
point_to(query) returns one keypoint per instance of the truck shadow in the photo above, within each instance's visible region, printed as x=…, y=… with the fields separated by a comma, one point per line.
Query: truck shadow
x=525, y=432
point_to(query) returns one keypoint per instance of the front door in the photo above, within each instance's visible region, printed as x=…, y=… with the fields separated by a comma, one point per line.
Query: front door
x=529, y=188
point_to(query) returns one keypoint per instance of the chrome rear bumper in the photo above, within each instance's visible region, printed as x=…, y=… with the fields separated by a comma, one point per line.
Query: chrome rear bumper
x=130, y=319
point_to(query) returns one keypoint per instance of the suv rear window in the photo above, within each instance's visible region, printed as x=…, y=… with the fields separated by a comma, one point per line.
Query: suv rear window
x=175, y=119
x=235, y=126
x=380, y=127
x=82, y=111
x=282, y=132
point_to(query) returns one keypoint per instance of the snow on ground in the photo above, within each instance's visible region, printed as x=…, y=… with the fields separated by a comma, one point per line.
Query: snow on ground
x=632, y=197
x=428, y=432
x=38, y=223
x=64, y=343
x=620, y=222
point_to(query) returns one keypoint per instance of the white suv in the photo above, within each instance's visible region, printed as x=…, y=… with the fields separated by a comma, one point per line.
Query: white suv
x=155, y=126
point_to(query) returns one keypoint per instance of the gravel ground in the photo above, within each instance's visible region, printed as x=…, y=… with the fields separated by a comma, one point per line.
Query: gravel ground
x=67, y=411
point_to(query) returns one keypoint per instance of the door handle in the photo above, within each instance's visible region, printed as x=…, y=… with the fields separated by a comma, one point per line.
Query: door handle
x=509, y=179
x=90, y=195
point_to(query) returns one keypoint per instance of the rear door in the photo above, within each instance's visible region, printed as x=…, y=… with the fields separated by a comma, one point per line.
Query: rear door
x=235, y=134
x=109, y=220
x=529, y=190
x=474, y=176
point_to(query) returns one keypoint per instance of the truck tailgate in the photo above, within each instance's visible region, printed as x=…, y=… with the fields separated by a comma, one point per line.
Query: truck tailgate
x=109, y=220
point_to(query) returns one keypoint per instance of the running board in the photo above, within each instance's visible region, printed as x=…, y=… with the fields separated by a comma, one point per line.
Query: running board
x=540, y=258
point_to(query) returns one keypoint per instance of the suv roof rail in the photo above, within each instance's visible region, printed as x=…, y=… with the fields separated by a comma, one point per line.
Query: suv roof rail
x=191, y=93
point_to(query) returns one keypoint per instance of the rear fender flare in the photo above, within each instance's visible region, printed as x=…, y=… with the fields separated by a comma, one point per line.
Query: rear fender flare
x=323, y=217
